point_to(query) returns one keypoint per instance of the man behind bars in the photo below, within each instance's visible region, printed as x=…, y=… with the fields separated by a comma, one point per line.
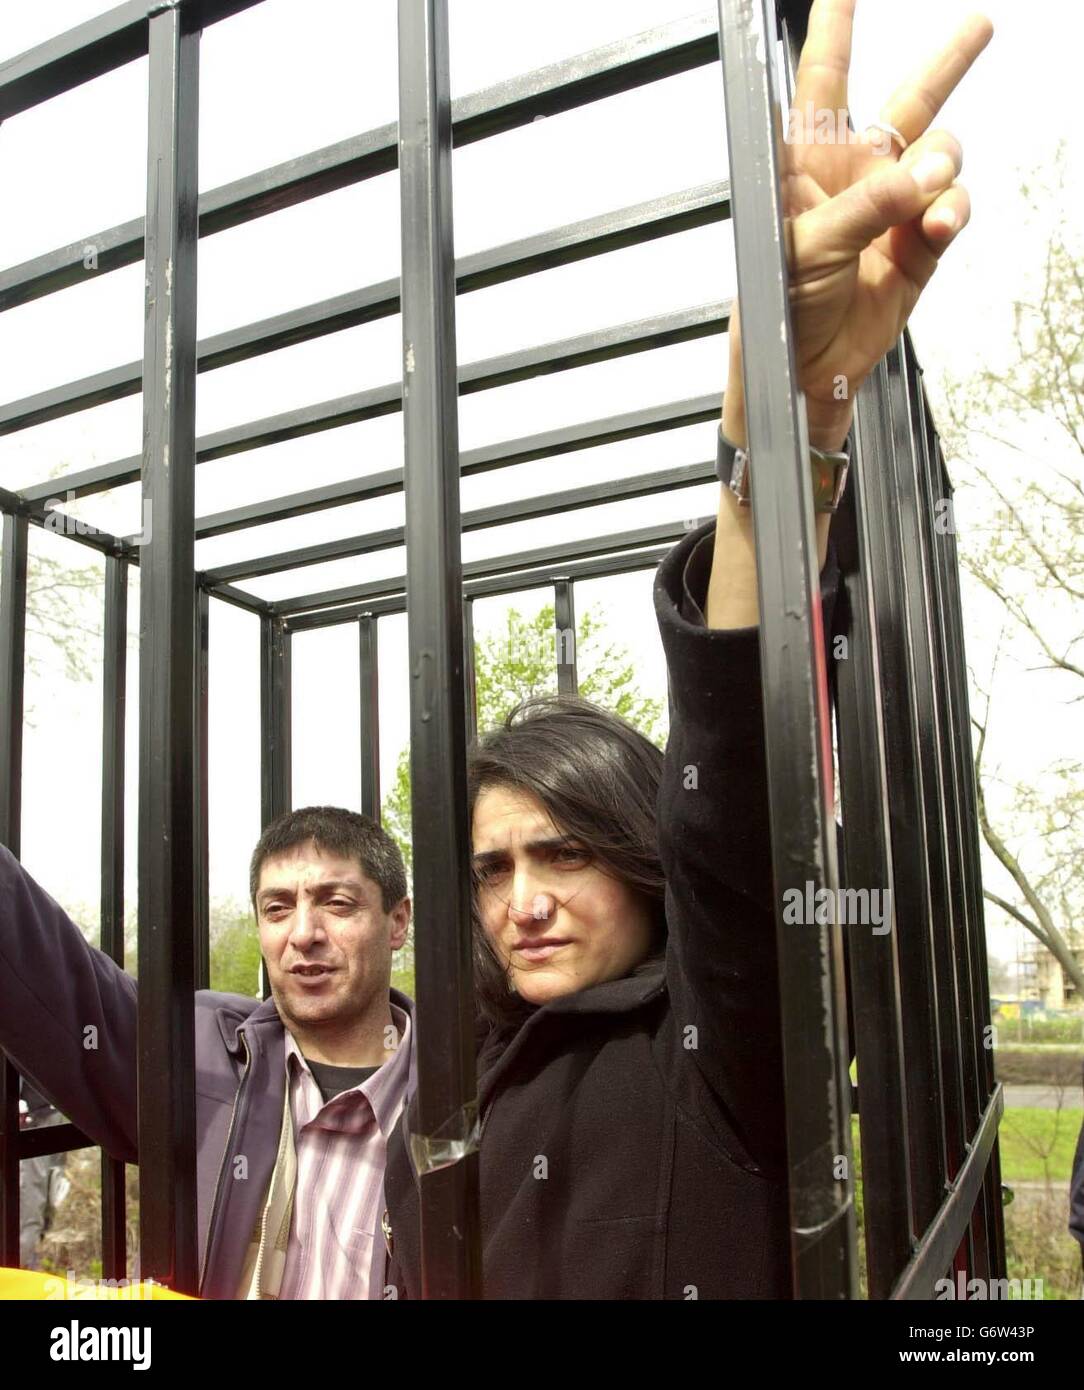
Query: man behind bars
x=295, y=1096
x=631, y=1101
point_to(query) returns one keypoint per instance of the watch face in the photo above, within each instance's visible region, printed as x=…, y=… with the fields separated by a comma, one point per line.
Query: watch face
x=739, y=477
x=823, y=485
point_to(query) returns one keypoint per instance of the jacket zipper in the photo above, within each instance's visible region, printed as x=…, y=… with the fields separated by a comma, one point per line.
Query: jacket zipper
x=222, y=1165
x=258, y=1271
x=257, y=1274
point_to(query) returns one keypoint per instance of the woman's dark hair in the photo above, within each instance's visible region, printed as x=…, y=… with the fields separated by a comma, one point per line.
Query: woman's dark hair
x=597, y=778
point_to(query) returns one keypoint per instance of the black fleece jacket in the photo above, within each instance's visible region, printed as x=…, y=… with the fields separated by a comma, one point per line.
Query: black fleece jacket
x=656, y=1100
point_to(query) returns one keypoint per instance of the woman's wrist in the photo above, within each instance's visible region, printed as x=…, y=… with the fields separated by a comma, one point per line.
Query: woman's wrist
x=828, y=427
x=733, y=590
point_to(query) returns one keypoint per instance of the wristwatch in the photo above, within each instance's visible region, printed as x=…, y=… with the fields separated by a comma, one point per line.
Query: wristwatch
x=829, y=473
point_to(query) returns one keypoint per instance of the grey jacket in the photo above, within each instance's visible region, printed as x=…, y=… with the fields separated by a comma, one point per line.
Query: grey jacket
x=54, y=987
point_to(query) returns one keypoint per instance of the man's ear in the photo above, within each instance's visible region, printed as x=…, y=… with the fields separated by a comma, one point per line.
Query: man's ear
x=400, y=915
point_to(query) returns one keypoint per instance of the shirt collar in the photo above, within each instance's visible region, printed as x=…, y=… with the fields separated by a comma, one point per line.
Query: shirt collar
x=386, y=1088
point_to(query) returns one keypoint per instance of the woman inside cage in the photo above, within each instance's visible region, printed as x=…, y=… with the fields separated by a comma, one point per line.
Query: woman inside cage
x=630, y=1071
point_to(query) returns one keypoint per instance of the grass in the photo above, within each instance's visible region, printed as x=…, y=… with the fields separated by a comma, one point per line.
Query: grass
x=1035, y=1146
x=1038, y=1145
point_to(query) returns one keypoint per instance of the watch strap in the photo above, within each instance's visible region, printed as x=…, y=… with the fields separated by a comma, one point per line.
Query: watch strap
x=829, y=472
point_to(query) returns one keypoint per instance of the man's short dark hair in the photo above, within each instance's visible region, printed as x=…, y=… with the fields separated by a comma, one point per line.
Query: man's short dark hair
x=335, y=831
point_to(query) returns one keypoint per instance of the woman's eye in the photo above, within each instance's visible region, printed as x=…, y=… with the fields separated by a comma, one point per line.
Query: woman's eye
x=569, y=853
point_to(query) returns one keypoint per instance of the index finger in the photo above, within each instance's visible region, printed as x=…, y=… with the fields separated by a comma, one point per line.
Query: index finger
x=913, y=106
x=825, y=61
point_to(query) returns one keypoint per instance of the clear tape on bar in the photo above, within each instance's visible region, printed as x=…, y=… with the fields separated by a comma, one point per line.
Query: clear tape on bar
x=451, y=1142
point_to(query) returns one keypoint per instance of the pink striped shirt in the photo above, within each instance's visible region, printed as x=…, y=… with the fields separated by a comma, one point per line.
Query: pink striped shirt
x=336, y=1247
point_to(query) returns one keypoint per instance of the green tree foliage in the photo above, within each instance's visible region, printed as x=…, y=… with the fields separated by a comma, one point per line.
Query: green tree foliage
x=235, y=949
x=63, y=606
x=521, y=661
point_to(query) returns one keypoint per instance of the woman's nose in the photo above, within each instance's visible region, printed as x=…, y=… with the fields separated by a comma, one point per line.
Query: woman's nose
x=539, y=907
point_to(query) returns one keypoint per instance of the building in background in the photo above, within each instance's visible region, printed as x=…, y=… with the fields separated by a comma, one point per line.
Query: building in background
x=1042, y=978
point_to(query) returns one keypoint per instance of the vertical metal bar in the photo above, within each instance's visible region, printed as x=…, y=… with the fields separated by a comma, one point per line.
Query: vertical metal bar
x=867, y=861
x=370, y=715
x=447, y=1098
x=564, y=622
x=972, y=872
x=12, y=670
x=167, y=866
x=276, y=773
x=956, y=922
x=114, y=697
x=201, y=827
x=909, y=890
x=12, y=673
x=276, y=764
x=792, y=669
x=471, y=692
x=937, y=926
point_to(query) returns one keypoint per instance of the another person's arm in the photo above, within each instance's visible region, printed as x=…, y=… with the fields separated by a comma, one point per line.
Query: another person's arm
x=867, y=222
x=67, y=1014
x=1076, y=1194
x=715, y=847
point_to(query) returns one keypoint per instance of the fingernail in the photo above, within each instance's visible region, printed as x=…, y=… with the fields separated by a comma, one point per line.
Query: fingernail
x=933, y=171
x=945, y=217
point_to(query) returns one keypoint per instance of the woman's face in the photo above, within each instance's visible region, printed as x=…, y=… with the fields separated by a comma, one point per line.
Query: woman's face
x=555, y=919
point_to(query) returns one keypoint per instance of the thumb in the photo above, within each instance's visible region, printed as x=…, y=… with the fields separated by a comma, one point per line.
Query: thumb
x=892, y=194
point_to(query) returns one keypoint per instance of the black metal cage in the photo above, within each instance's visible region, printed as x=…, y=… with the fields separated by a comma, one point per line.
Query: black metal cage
x=927, y=1100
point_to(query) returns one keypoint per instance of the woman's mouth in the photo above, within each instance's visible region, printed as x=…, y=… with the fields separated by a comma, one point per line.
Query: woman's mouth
x=539, y=950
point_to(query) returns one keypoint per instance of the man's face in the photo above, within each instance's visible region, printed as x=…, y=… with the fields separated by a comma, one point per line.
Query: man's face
x=325, y=937
x=556, y=920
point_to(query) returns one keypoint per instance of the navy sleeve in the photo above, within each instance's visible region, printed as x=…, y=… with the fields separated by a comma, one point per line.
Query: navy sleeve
x=714, y=841
x=1076, y=1193
x=67, y=1014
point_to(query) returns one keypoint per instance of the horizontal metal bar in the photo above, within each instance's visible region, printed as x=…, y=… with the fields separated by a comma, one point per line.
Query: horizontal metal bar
x=934, y=1252
x=574, y=241
x=52, y=1139
x=553, y=555
x=500, y=514
x=107, y=544
x=598, y=567
x=565, y=439
x=564, y=354
x=61, y=524
x=90, y=50
x=658, y=53
x=239, y=598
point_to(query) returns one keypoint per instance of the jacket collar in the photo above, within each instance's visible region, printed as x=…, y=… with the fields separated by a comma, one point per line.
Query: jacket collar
x=613, y=996
x=230, y=1022
x=625, y=995
x=230, y=1025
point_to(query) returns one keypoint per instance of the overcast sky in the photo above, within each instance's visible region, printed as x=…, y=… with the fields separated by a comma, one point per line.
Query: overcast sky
x=287, y=77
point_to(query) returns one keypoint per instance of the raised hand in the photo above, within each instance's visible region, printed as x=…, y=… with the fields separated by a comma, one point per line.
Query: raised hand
x=868, y=216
